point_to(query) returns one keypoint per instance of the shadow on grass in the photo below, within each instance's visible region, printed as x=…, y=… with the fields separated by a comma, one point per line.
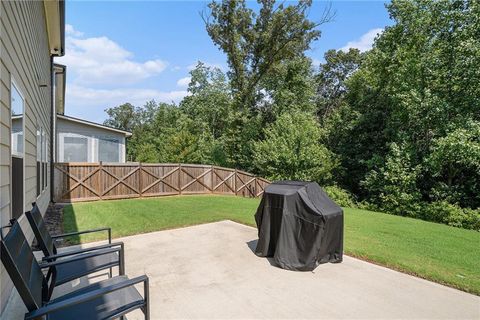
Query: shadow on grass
x=87, y=235
x=70, y=225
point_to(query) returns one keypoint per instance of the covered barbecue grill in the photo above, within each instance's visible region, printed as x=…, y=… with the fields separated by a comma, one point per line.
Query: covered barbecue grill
x=299, y=226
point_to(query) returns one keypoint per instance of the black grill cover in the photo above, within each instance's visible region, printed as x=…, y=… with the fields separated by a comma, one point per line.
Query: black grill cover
x=299, y=226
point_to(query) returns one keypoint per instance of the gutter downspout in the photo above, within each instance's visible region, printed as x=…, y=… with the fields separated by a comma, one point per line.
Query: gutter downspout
x=52, y=127
x=53, y=114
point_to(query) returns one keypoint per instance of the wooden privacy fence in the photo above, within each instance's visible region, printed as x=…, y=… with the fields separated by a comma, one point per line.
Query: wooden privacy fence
x=98, y=181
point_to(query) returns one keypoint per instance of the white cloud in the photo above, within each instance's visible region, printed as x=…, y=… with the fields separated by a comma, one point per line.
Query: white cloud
x=101, y=74
x=184, y=82
x=70, y=31
x=365, y=42
x=100, y=60
x=79, y=96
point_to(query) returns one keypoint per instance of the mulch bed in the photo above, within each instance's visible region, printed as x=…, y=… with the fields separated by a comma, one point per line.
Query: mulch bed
x=54, y=220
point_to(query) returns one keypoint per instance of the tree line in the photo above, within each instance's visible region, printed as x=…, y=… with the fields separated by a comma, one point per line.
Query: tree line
x=394, y=129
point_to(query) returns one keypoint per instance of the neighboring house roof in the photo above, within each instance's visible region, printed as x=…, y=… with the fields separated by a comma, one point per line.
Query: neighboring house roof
x=55, y=20
x=93, y=124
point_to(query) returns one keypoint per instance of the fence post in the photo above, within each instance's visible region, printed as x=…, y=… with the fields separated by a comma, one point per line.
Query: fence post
x=211, y=179
x=235, y=181
x=140, y=180
x=179, y=178
x=100, y=180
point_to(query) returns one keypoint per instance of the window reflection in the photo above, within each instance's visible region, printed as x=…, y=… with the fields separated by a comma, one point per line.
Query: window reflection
x=17, y=104
x=108, y=150
x=75, y=149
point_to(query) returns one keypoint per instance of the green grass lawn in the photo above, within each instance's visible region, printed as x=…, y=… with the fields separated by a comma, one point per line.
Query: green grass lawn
x=433, y=251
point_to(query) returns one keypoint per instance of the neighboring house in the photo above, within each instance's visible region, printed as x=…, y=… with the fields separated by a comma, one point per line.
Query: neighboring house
x=84, y=141
x=31, y=87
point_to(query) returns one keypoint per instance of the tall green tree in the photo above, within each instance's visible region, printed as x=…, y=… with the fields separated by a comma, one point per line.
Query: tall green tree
x=256, y=42
x=290, y=87
x=331, y=79
x=123, y=117
x=417, y=84
x=209, y=103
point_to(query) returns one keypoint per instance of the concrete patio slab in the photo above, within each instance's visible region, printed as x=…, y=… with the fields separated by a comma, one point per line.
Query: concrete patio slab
x=210, y=272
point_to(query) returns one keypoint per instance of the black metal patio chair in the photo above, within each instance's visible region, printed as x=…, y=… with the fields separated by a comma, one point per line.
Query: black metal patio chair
x=46, y=241
x=81, y=262
x=108, y=299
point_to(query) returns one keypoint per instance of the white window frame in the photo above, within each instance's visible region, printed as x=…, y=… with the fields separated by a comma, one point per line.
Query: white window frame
x=75, y=135
x=44, y=160
x=39, y=160
x=13, y=84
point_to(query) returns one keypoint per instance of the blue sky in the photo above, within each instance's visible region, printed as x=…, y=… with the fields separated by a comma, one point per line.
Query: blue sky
x=131, y=51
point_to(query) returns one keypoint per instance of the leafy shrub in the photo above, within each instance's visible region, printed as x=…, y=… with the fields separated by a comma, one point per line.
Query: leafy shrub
x=444, y=212
x=342, y=197
x=471, y=219
x=291, y=150
x=392, y=184
x=365, y=205
x=454, y=162
x=147, y=152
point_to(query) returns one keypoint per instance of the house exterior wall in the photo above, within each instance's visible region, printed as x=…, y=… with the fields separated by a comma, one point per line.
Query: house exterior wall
x=25, y=60
x=67, y=128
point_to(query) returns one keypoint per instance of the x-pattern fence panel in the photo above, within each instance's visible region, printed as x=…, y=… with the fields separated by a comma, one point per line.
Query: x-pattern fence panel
x=98, y=181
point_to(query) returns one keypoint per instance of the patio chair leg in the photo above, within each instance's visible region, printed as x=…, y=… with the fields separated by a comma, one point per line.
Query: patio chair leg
x=146, y=296
x=121, y=257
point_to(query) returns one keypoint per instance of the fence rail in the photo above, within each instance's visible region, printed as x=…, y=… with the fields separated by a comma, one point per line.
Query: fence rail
x=76, y=181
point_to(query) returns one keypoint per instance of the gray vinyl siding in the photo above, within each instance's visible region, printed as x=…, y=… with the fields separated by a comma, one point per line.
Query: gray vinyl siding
x=25, y=58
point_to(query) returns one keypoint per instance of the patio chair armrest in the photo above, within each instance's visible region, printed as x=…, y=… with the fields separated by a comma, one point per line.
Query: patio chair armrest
x=70, y=234
x=44, y=265
x=49, y=308
x=84, y=250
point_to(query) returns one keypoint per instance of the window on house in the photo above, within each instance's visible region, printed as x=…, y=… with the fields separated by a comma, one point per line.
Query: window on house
x=75, y=149
x=17, y=150
x=18, y=143
x=44, y=159
x=108, y=150
x=17, y=122
x=39, y=161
